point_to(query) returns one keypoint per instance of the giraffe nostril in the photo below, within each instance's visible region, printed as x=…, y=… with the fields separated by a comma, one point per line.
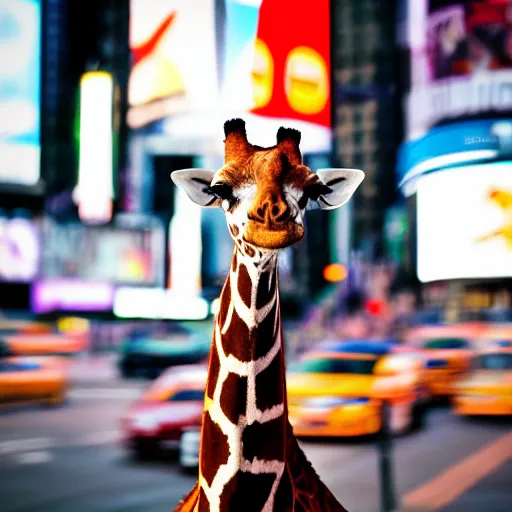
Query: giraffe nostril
x=284, y=215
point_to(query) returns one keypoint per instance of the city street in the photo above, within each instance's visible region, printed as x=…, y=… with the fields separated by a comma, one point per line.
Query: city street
x=69, y=459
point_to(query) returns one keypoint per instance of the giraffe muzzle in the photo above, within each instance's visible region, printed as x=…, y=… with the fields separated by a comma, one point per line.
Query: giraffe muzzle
x=273, y=236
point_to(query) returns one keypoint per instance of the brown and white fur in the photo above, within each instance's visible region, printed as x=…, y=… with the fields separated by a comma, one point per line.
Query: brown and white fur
x=249, y=458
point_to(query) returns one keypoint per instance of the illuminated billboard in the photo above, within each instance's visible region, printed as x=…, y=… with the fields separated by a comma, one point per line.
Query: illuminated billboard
x=460, y=61
x=247, y=63
x=119, y=254
x=20, y=79
x=174, y=66
x=464, y=223
x=95, y=190
x=20, y=249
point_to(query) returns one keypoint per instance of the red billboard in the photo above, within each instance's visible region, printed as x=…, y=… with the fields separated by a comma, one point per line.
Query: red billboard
x=291, y=70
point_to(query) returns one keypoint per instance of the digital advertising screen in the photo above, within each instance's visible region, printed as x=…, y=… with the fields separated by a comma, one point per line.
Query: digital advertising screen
x=20, y=250
x=20, y=81
x=246, y=63
x=464, y=223
x=460, y=61
x=108, y=254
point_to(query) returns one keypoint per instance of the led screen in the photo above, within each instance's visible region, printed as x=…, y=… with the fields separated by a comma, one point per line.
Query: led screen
x=20, y=46
x=464, y=220
x=114, y=254
x=247, y=63
x=460, y=61
x=19, y=250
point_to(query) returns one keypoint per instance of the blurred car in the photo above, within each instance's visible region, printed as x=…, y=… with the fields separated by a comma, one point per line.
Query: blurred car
x=148, y=354
x=24, y=327
x=487, y=389
x=338, y=391
x=495, y=332
x=32, y=344
x=172, y=404
x=31, y=379
x=449, y=350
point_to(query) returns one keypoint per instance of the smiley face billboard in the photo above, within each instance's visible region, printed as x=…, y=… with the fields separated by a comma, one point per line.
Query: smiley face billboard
x=291, y=69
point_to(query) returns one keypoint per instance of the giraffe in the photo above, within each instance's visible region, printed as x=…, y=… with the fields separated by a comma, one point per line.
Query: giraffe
x=249, y=458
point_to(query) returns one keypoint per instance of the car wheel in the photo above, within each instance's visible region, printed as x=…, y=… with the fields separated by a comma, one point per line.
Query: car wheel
x=127, y=373
x=59, y=398
x=144, y=451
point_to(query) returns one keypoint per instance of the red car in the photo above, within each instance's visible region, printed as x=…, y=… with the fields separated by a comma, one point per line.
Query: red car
x=172, y=404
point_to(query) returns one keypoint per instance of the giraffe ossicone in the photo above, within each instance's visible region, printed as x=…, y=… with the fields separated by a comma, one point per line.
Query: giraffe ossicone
x=249, y=458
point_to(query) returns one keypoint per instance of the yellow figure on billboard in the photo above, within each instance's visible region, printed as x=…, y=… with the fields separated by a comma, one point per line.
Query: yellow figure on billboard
x=154, y=74
x=503, y=199
x=306, y=80
x=262, y=74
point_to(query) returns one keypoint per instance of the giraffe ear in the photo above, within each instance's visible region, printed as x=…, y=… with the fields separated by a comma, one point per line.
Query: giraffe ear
x=196, y=184
x=342, y=183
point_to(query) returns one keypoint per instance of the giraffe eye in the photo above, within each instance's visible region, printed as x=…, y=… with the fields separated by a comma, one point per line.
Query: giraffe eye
x=222, y=190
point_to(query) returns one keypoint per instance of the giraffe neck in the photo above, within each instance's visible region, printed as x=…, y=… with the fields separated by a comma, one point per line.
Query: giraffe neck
x=243, y=442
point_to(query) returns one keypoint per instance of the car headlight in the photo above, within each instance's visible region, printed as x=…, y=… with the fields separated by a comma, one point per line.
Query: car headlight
x=145, y=421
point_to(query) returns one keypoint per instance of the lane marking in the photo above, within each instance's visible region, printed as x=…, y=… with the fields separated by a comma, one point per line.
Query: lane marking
x=98, y=438
x=459, y=478
x=19, y=449
x=40, y=457
x=21, y=445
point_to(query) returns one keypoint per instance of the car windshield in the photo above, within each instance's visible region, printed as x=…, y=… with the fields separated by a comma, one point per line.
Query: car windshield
x=334, y=365
x=187, y=395
x=447, y=343
x=495, y=362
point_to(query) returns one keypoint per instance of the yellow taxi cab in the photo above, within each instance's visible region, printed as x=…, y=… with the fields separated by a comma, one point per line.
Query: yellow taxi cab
x=338, y=390
x=31, y=379
x=25, y=326
x=487, y=389
x=68, y=337
x=448, y=349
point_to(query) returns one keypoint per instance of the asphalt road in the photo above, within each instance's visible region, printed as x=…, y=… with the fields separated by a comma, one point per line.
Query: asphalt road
x=68, y=460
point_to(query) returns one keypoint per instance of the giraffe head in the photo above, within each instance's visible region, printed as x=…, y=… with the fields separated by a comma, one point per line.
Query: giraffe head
x=264, y=192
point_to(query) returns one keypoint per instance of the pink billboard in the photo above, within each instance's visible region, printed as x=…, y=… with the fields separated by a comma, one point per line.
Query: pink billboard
x=460, y=62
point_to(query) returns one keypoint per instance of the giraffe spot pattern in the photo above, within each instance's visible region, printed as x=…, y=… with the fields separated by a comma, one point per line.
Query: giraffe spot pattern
x=249, y=250
x=263, y=334
x=266, y=289
x=225, y=300
x=233, y=398
x=235, y=341
x=218, y=448
x=213, y=371
x=284, y=494
x=270, y=384
x=235, y=231
x=244, y=284
x=273, y=432
x=233, y=266
x=204, y=506
x=246, y=492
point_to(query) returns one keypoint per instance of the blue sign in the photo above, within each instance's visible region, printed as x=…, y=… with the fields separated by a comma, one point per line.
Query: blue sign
x=20, y=81
x=455, y=144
